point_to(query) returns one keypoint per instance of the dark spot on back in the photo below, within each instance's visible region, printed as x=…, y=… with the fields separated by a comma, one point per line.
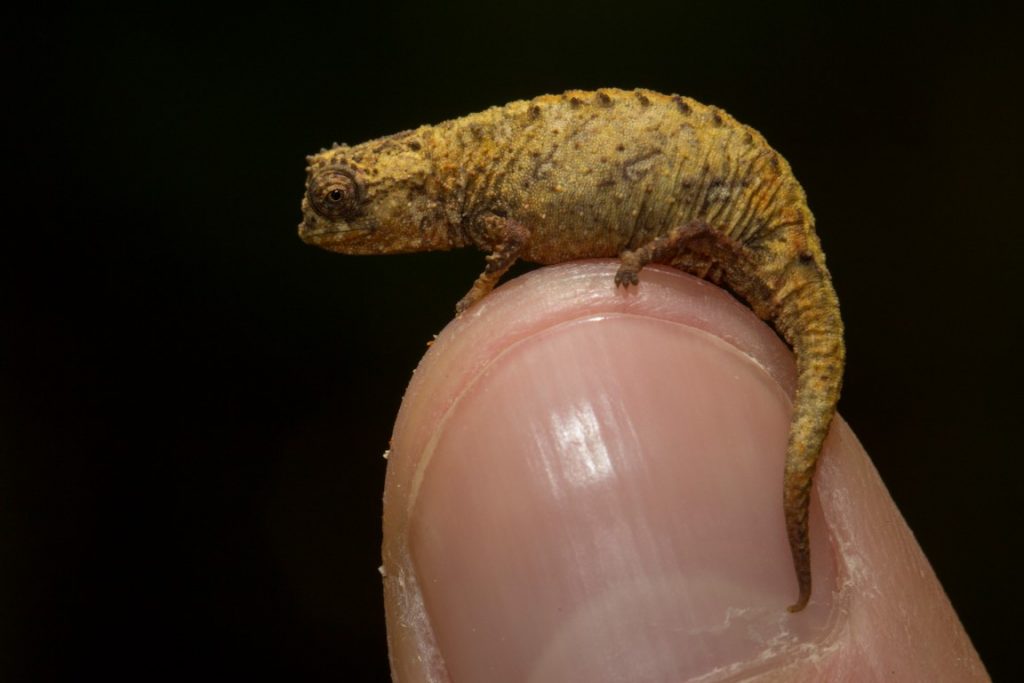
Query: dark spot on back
x=633, y=169
x=535, y=111
x=620, y=147
x=748, y=138
x=806, y=257
x=575, y=102
x=642, y=99
x=603, y=98
x=414, y=146
x=716, y=117
x=712, y=194
x=681, y=104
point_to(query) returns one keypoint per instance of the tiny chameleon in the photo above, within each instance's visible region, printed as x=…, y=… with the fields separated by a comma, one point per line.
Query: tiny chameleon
x=647, y=177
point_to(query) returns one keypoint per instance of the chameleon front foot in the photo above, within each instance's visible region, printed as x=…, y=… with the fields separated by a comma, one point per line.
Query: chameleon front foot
x=507, y=238
x=472, y=296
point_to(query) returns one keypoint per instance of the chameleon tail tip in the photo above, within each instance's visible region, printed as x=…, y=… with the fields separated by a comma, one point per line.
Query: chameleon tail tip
x=801, y=602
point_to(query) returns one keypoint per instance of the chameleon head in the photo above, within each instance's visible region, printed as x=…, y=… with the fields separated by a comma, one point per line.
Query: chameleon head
x=370, y=199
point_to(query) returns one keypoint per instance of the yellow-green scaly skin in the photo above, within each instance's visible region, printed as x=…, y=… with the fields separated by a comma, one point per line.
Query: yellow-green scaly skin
x=636, y=174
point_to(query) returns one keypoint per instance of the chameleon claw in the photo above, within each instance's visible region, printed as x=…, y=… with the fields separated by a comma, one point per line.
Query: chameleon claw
x=629, y=269
x=626, y=277
x=466, y=302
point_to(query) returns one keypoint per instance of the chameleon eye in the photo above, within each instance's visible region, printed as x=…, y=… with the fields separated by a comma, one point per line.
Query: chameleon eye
x=335, y=194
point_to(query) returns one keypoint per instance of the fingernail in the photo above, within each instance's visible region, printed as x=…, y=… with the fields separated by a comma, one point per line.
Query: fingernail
x=603, y=503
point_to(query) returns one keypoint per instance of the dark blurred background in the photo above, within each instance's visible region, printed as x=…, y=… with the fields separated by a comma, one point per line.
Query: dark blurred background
x=193, y=404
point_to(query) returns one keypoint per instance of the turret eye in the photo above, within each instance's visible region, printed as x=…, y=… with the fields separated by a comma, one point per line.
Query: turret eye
x=335, y=194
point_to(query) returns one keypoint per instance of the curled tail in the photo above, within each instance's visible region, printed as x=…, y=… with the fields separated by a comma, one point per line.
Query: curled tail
x=798, y=299
x=808, y=318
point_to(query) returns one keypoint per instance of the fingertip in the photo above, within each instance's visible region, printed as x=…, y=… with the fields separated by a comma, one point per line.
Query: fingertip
x=492, y=450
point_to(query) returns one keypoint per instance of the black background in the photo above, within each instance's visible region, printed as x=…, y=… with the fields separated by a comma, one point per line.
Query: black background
x=193, y=404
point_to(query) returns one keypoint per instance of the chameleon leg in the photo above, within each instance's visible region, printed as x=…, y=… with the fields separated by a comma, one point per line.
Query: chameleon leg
x=661, y=249
x=696, y=236
x=507, y=239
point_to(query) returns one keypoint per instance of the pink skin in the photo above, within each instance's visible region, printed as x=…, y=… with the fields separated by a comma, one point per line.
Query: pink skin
x=585, y=484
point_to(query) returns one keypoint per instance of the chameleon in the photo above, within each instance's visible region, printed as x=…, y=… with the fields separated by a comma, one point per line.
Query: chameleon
x=638, y=175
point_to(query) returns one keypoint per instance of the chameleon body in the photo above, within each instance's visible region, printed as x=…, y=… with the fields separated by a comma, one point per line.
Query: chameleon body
x=634, y=174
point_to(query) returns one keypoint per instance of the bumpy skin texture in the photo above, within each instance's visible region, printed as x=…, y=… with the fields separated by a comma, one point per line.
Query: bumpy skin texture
x=635, y=174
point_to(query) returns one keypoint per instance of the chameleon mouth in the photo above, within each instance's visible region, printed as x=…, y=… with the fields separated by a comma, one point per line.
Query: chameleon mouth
x=313, y=234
